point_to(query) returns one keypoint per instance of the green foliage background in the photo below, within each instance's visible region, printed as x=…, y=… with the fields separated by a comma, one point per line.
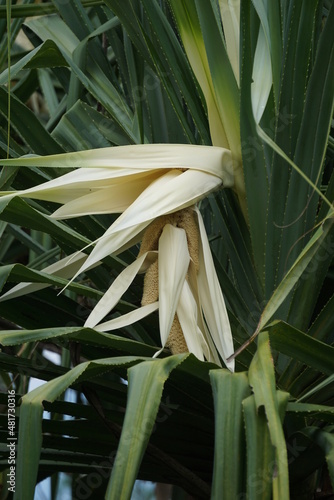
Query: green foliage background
x=108, y=73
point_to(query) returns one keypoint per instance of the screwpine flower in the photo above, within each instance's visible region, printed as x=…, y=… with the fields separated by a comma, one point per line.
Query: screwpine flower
x=155, y=188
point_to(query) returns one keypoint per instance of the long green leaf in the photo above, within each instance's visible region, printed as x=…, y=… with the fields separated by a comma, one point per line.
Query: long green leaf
x=84, y=335
x=292, y=277
x=293, y=204
x=269, y=14
x=260, y=452
x=47, y=55
x=28, y=126
x=223, y=79
x=93, y=77
x=326, y=441
x=189, y=27
x=175, y=58
x=229, y=390
x=253, y=153
x=20, y=10
x=82, y=127
x=262, y=380
x=296, y=271
x=19, y=212
x=319, y=106
x=326, y=383
x=312, y=411
x=31, y=411
x=302, y=347
x=38, y=367
x=18, y=273
x=146, y=383
x=166, y=59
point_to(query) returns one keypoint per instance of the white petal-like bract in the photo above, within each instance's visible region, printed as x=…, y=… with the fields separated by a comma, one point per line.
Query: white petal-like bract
x=173, y=266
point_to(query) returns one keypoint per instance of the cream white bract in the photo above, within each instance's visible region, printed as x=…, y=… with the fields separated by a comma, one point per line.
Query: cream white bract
x=144, y=183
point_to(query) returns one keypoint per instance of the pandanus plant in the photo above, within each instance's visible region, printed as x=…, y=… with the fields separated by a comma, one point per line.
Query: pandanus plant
x=148, y=181
x=247, y=84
